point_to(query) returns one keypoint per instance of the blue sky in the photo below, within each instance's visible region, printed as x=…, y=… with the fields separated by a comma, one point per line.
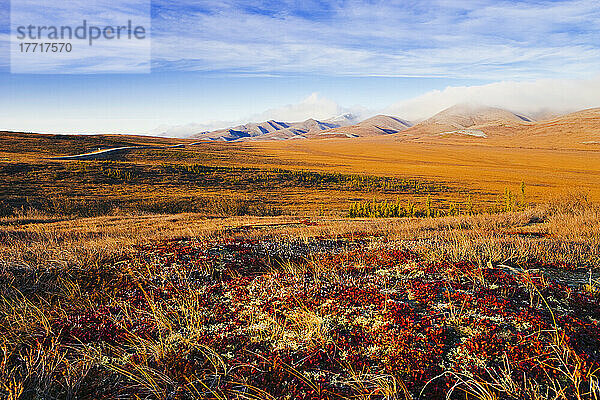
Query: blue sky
x=221, y=62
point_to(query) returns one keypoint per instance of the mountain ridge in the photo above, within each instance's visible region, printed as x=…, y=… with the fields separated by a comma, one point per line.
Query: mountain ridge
x=462, y=121
x=276, y=130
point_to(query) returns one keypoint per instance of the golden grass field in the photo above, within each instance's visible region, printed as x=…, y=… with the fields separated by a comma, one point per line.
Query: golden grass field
x=484, y=169
x=481, y=167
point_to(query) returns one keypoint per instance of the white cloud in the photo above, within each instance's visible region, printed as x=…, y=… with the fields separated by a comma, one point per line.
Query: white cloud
x=524, y=97
x=122, y=55
x=313, y=106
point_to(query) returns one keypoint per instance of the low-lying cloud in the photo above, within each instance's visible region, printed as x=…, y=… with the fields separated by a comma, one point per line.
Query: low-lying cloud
x=531, y=98
x=313, y=106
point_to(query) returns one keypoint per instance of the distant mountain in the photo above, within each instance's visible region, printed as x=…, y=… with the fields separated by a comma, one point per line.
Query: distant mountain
x=504, y=128
x=580, y=129
x=374, y=126
x=464, y=116
x=277, y=130
x=243, y=131
x=464, y=120
x=344, y=119
x=385, y=124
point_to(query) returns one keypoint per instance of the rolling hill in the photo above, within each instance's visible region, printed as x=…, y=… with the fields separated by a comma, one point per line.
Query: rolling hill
x=580, y=129
x=374, y=126
x=276, y=130
x=467, y=120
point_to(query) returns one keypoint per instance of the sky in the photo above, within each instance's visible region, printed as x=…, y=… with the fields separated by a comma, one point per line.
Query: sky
x=218, y=63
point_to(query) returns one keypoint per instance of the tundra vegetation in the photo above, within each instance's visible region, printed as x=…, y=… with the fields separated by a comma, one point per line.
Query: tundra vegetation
x=188, y=278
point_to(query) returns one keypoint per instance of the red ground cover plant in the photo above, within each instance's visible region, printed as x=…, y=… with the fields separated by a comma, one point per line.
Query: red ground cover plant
x=339, y=318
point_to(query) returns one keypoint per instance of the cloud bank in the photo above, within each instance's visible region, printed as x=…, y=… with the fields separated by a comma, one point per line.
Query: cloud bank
x=43, y=22
x=540, y=96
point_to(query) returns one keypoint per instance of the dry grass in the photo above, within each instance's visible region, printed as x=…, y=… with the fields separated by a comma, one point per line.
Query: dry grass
x=487, y=167
x=565, y=233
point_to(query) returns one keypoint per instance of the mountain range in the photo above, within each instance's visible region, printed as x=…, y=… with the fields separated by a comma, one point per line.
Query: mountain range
x=277, y=130
x=459, y=122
